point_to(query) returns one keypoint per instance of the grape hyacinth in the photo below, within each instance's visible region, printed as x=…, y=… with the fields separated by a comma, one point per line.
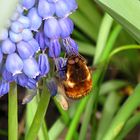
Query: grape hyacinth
x=38, y=31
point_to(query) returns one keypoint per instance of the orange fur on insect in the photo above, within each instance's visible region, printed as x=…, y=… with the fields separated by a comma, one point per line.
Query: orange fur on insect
x=78, y=82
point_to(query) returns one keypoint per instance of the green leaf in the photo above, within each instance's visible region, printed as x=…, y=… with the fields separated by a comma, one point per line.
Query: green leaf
x=82, y=22
x=86, y=48
x=126, y=12
x=123, y=114
x=54, y=132
x=112, y=85
x=90, y=10
x=75, y=120
x=123, y=48
x=130, y=124
x=111, y=106
x=7, y=8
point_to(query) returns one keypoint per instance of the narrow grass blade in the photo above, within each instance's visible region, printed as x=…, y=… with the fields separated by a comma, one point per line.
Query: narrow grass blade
x=103, y=36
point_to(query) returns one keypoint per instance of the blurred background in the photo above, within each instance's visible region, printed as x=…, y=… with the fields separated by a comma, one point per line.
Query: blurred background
x=93, y=28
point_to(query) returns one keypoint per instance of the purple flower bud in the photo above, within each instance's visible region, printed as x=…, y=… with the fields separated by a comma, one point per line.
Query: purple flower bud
x=52, y=28
x=40, y=37
x=17, y=27
x=28, y=3
x=47, y=42
x=52, y=87
x=15, y=37
x=8, y=46
x=25, y=50
x=70, y=46
x=54, y=48
x=31, y=84
x=7, y=76
x=3, y=34
x=45, y=9
x=31, y=68
x=34, y=44
x=62, y=9
x=66, y=27
x=27, y=35
x=4, y=87
x=36, y=20
x=25, y=21
x=21, y=79
x=43, y=64
x=60, y=64
x=14, y=64
x=1, y=55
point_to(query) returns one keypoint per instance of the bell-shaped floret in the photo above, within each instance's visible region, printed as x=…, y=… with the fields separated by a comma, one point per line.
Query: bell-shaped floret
x=15, y=37
x=52, y=28
x=54, y=48
x=66, y=27
x=25, y=50
x=14, y=64
x=45, y=9
x=8, y=46
x=35, y=19
x=31, y=68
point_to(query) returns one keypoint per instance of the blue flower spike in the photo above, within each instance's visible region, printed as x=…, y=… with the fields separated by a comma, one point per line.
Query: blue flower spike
x=35, y=33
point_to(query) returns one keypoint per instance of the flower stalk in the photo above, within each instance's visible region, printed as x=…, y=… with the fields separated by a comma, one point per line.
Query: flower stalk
x=12, y=113
x=39, y=115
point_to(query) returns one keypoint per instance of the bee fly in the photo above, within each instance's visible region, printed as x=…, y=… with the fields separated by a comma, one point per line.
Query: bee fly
x=77, y=82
